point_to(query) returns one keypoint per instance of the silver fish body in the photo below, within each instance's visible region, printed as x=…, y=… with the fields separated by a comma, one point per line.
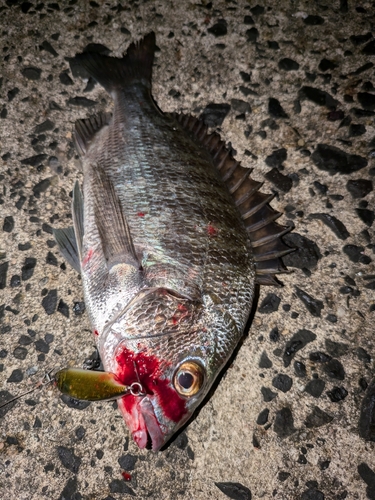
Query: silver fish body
x=167, y=262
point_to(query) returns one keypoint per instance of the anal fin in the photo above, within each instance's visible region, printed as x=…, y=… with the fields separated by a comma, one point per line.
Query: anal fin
x=85, y=130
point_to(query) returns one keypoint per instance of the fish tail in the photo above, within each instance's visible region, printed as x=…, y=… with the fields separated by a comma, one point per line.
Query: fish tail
x=114, y=73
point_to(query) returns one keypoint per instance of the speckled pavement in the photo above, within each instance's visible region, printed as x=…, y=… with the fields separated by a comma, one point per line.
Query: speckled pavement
x=289, y=86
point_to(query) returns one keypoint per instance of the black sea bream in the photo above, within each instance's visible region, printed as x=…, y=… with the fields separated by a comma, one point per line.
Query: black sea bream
x=170, y=236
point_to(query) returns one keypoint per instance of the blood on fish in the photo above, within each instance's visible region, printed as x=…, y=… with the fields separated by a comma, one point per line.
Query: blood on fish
x=96, y=332
x=211, y=230
x=141, y=214
x=87, y=257
x=126, y=476
x=182, y=313
x=148, y=371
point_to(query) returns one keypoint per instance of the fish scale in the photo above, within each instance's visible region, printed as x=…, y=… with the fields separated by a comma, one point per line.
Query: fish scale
x=169, y=182
x=164, y=247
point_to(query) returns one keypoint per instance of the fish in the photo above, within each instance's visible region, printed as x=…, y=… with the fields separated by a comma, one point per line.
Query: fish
x=171, y=236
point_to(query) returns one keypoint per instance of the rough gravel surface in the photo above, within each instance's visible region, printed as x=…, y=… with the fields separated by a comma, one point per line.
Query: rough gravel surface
x=289, y=85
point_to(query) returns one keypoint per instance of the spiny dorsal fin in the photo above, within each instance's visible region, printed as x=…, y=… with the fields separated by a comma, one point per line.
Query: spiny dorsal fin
x=86, y=129
x=259, y=217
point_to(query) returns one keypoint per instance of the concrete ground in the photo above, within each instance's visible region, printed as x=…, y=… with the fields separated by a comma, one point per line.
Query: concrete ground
x=294, y=416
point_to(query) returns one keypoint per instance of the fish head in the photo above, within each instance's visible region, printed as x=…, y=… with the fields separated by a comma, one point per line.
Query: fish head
x=175, y=368
x=169, y=393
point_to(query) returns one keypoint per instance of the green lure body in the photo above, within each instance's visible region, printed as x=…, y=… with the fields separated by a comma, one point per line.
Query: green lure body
x=90, y=385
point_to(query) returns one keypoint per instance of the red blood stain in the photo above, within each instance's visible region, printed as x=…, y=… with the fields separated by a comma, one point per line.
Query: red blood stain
x=211, y=230
x=141, y=214
x=150, y=376
x=182, y=313
x=126, y=476
x=87, y=257
x=96, y=332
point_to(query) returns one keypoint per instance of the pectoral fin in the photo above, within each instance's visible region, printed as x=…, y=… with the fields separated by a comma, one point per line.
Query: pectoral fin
x=114, y=231
x=77, y=209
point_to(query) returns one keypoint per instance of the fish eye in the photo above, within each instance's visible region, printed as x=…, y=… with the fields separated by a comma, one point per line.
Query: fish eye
x=189, y=378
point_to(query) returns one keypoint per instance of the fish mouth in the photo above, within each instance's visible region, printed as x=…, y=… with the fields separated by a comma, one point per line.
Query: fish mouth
x=142, y=422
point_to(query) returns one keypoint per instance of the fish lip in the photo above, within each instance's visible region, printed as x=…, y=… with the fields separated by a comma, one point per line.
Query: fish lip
x=152, y=425
x=142, y=422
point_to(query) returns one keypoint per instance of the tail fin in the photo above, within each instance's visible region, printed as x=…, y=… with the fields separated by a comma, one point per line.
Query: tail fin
x=114, y=73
